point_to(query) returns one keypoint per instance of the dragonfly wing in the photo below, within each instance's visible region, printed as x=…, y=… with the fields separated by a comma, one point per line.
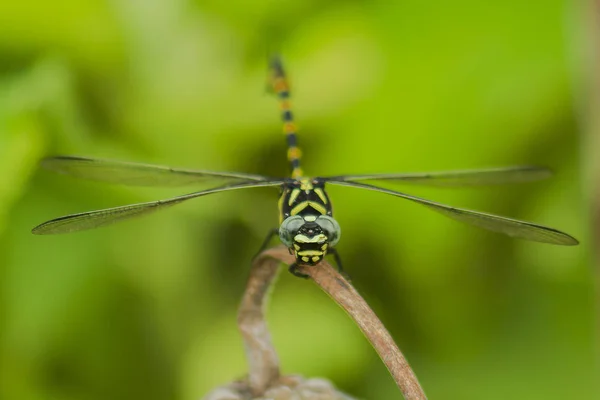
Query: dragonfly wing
x=94, y=219
x=507, y=226
x=136, y=174
x=479, y=177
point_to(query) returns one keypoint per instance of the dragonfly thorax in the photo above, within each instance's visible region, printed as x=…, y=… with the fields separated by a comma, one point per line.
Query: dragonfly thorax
x=309, y=237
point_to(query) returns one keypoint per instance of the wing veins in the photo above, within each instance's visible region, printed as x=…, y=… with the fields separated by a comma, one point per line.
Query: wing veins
x=508, y=226
x=477, y=177
x=137, y=174
x=94, y=219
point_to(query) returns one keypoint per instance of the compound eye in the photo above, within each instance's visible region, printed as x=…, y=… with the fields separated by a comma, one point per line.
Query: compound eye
x=289, y=228
x=331, y=227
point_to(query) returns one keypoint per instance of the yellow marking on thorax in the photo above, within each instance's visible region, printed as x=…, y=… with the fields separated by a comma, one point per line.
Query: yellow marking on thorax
x=321, y=195
x=306, y=185
x=305, y=204
x=293, y=196
x=280, y=205
x=299, y=208
x=318, y=207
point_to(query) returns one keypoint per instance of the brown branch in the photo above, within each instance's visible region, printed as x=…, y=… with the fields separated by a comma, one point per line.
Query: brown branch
x=340, y=290
x=264, y=365
x=262, y=358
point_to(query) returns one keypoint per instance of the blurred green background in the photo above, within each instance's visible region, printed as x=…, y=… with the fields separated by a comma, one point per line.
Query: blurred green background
x=147, y=309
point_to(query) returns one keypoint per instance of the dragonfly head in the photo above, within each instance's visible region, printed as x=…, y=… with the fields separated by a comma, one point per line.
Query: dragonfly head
x=309, y=237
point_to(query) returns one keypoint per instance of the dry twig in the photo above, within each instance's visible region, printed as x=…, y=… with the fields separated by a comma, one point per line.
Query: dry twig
x=262, y=358
x=340, y=290
x=264, y=372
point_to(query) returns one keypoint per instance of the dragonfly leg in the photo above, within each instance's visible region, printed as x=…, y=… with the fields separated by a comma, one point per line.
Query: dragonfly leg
x=294, y=270
x=338, y=261
x=265, y=244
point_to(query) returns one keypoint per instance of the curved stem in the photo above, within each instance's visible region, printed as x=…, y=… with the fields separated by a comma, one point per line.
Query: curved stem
x=344, y=294
x=264, y=364
x=262, y=358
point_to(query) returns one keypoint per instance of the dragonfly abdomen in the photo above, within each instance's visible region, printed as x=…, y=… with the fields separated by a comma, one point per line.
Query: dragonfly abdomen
x=282, y=90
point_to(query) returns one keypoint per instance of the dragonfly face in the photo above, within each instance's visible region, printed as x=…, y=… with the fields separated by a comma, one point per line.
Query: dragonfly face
x=309, y=237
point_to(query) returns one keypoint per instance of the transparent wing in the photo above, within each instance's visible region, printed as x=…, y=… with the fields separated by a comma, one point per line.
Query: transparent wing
x=507, y=226
x=478, y=177
x=94, y=219
x=135, y=174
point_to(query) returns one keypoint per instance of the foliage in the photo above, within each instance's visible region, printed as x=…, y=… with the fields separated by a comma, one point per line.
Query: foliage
x=146, y=309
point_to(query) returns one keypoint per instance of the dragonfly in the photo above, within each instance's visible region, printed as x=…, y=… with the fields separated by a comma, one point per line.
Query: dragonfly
x=306, y=224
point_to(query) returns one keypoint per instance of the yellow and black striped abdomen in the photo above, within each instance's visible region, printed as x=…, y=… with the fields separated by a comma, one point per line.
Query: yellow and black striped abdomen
x=305, y=197
x=282, y=90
